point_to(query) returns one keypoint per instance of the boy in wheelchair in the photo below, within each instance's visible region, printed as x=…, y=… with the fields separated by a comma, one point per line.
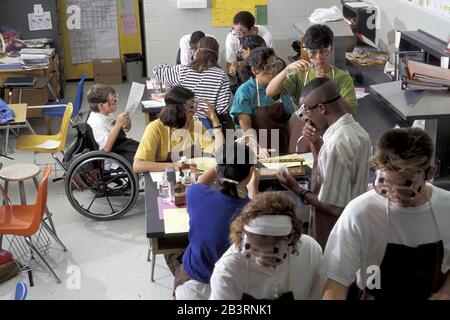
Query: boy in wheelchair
x=108, y=133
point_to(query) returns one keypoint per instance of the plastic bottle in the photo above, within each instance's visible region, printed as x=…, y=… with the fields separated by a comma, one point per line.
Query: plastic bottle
x=164, y=189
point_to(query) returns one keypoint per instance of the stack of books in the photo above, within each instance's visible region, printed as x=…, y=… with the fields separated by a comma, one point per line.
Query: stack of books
x=33, y=61
x=422, y=76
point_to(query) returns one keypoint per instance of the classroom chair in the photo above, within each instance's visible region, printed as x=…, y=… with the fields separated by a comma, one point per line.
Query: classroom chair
x=25, y=221
x=52, y=144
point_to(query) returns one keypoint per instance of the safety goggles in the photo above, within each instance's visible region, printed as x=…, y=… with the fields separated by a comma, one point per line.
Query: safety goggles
x=408, y=191
x=305, y=109
x=192, y=104
x=240, y=32
x=271, y=256
x=325, y=52
x=273, y=68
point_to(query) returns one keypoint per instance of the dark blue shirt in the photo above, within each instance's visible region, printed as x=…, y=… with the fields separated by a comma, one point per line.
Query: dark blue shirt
x=210, y=215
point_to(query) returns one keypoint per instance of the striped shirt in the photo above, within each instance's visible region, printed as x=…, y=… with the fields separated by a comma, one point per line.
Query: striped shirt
x=212, y=84
x=343, y=170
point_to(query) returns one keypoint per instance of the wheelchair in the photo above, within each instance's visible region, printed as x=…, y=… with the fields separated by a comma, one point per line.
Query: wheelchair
x=99, y=185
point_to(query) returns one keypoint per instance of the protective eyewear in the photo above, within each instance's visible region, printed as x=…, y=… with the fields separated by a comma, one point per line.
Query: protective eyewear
x=271, y=256
x=407, y=191
x=114, y=100
x=326, y=52
x=273, y=68
x=238, y=32
x=304, y=109
x=192, y=104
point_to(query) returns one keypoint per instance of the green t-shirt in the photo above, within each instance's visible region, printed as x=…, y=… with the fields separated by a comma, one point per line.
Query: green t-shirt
x=294, y=84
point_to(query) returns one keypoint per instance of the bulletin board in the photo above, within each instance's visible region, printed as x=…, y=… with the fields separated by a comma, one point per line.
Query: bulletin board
x=129, y=42
x=223, y=11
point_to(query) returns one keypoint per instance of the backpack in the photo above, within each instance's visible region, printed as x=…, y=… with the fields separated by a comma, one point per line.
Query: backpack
x=8, y=266
x=6, y=113
x=84, y=142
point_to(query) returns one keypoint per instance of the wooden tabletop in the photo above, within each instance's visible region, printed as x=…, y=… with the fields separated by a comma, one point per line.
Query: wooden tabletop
x=20, y=111
x=19, y=172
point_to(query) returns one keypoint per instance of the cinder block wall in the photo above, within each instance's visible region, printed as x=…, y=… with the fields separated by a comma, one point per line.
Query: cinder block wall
x=165, y=25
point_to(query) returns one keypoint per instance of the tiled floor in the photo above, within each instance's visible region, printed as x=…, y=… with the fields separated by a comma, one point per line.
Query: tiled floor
x=109, y=257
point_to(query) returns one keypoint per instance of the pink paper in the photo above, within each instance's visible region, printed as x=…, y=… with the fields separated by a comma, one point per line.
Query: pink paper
x=164, y=205
x=129, y=24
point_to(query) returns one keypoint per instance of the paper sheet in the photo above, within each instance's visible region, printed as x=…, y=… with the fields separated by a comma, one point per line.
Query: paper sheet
x=134, y=98
x=99, y=34
x=176, y=220
x=277, y=165
x=223, y=11
x=153, y=104
x=49, y=144
x=204, y=163
x=40, y=22
x=129, y=24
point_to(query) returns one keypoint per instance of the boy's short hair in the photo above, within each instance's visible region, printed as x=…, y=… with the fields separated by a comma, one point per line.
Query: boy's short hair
x=195, y=37
x=258, y=57
x=99, y=93
x=404, y=149
x=318, y=36
x=252, y=41
x=245, y=18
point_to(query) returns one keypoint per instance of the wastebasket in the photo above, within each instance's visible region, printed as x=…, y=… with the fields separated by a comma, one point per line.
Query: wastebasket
x=134, y=67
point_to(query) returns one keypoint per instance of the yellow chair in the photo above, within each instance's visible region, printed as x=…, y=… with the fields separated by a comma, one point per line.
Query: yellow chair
x=48, y=143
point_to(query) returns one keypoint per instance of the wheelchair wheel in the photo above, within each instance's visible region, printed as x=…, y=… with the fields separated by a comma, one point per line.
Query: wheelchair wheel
x=101, y=185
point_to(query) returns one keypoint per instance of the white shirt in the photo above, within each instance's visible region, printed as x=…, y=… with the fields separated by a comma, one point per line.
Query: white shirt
x=343, y=168
x=101, y=127
x=360, y=236
x=186, y=55
x=235, y=275
x=232, y=43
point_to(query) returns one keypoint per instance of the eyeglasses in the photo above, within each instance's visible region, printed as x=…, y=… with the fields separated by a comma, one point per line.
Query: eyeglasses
x=273, y=68
x=239, y=32
x=114, y=100
x=326, y=52
x=192, y=103
x=304, y=109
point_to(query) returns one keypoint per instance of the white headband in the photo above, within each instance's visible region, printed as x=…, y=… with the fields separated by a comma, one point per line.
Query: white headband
x=270, y=225
x=230, y=181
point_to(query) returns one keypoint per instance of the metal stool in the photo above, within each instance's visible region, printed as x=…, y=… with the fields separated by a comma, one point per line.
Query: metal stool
x=21, y=172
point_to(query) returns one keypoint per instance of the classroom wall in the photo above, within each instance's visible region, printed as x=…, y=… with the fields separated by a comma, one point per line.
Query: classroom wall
x=403, y=16
x=165, y=25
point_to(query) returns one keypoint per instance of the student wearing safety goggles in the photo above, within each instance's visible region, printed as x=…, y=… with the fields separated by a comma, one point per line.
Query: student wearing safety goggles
x=341, y=168
x=269, y=257
x=253, y=109
x=394, y=239
x=318, y=45
x=177, y=133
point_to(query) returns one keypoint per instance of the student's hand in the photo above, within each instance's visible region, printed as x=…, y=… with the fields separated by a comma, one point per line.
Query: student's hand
x=211, y=113
x=232, y=69
x=440, y=296
x=288, y=181
x=264, y=153
x=127, y=127
x=310, y=133
x=122, y=119
x=298, y=66
x=252, y=186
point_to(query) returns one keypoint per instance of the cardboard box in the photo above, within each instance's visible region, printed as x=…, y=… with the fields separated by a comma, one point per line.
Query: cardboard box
x=108, y=71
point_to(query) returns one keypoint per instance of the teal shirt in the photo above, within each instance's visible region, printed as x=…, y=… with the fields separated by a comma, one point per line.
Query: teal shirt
x=246, y=101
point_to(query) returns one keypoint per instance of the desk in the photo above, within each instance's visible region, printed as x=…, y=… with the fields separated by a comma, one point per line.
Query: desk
x=159, y=241
x=418, y=105
x=150, y=113
x=41, y=83
x=37, y=96
x=20, y=121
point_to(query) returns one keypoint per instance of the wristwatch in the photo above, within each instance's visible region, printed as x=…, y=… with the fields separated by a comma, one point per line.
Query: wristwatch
x=302, y=196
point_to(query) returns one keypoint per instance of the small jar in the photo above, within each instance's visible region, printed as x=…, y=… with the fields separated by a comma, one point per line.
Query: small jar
x=180, y=194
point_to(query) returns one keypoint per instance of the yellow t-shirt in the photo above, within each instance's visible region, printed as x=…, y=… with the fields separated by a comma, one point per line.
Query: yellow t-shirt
x=159, y=141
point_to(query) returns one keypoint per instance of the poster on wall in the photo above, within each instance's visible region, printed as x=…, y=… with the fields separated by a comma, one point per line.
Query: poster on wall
x=223, y=11
x=98, y=37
